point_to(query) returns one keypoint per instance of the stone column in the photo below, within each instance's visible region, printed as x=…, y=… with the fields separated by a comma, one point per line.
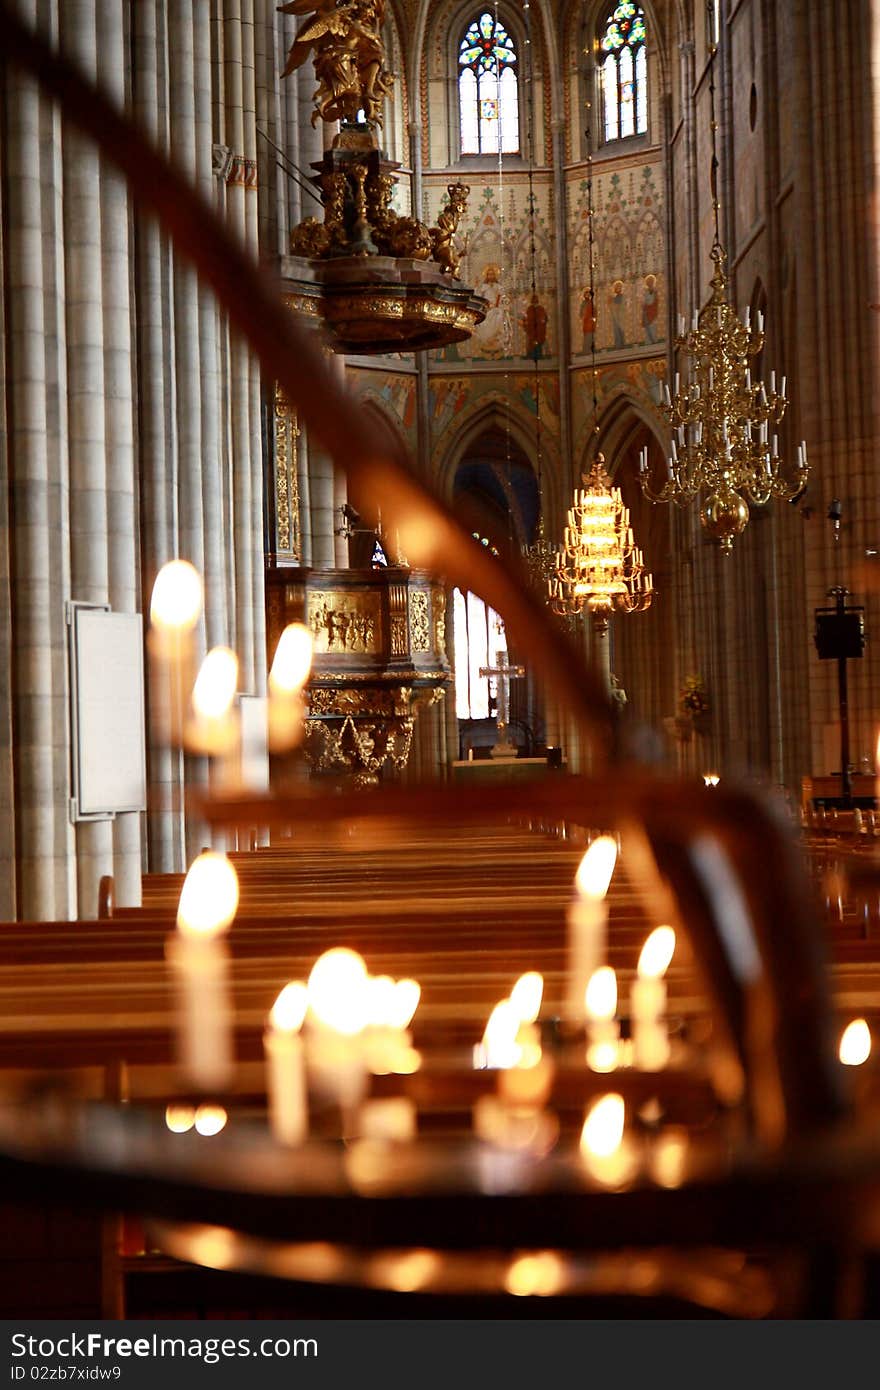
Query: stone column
x=38, y=483
x=83, y=271
x=113, y=65
x=157, y=449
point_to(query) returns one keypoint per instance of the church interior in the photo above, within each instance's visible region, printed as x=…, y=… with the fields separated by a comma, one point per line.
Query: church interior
x=439, y=569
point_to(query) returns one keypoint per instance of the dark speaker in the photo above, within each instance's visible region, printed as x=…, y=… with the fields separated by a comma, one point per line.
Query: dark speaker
x=839, y=634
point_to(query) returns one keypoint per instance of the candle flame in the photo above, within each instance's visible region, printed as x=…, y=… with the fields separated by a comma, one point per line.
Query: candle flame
x=500, y=1047
x=603, y=1127
x=656, y=953
x=209, y=897
x=380, y=999
x=180, y=1118
x=407, y=994
x=596, y=867
x=855, y=1045
x=292, y=661
x=176, y=601
x=210, y=1119
x=542, y=1274
x=526, y=996
x=289, y=1009
x=216, y=683
x=600, y=995
x=711, y=779
x=338, y=990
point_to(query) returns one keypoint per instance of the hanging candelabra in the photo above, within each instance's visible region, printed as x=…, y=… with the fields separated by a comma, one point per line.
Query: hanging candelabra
x=724, y=444
x=600, y=569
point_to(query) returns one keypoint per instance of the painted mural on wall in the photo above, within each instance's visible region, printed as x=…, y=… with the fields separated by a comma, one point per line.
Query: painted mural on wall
x=453, y=399
x=394, y=393
x=629, y=309
x=495, y=244
x=639, y=380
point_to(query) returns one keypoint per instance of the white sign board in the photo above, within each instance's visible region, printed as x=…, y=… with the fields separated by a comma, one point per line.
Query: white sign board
x=107, y=712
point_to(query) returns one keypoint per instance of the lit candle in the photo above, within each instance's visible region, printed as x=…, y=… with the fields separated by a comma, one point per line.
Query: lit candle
x=175, y=609
x=603, y=1030
x=855, y=1044
x=650, y=1034
x=212, y=728
x=387, y=1041
x=285, y=1065
x=528, y=1080
x=289, y=673
x=587, y=922
x=197, y=956
x=337, y=1015
x=602, y=1131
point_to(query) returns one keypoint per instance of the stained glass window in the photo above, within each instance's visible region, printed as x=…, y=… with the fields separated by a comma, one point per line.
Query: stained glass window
x=488, y=95
x=624, y=73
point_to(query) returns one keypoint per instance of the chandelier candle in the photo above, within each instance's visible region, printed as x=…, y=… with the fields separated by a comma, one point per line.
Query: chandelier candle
x=588, y=923
x=650, y=1032
x=286, y=1065
x=197, y=956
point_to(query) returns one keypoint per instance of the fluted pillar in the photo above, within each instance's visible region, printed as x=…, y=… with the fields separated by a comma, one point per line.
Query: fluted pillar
x=113, y=63
x=83, y=287
x=37, y=525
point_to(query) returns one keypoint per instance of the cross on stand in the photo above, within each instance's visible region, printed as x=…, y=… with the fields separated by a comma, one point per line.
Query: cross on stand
x=505, y=674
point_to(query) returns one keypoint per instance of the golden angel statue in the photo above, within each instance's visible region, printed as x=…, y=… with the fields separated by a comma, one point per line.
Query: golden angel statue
x=349, y=57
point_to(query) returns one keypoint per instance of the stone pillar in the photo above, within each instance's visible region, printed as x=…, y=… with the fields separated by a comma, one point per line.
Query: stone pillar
x=157, y=445
x=38, y=484
x=113, y=64
x=83, y=272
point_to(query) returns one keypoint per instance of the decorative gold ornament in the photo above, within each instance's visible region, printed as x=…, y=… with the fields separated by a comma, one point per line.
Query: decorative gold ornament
x=287, y=522
x=601, y=568
x=366, y=262
x=724, y=445
x=345, y=41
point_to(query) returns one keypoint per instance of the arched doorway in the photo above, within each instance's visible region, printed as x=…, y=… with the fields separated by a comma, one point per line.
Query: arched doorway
x=495, y=494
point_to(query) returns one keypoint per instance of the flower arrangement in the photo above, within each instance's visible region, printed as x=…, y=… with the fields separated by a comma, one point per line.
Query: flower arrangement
x=693, y=701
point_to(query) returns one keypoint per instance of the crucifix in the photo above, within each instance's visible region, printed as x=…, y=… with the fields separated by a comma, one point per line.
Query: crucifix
x=505, y=674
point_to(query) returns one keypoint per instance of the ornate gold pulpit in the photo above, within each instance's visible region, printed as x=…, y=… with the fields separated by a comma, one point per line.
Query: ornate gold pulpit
x=379, y=656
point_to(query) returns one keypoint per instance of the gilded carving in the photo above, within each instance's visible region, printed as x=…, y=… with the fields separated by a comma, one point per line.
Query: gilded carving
x=345, y=622
x=419, y=624
x=361, y=747
x=370, y=703
x=287, y=523
x=345, y=43
x=438, y=606
x=443, y=249
x=398, y=635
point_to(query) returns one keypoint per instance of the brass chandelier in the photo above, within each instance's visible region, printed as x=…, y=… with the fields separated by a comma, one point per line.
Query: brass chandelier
x=724, y=446
x=600, y=568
